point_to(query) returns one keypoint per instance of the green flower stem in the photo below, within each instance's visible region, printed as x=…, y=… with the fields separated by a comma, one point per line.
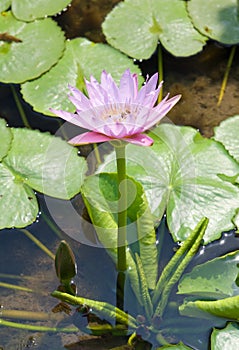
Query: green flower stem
x=122, y=207
x=122, y=222
x=227, y=71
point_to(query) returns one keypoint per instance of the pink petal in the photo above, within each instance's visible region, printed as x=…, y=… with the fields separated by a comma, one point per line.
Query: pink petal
x=79, y=99
x=128, y=86
x=109, y=85
x=89, y=137
x=69, y=117
x=160, y=111
x=139, y=139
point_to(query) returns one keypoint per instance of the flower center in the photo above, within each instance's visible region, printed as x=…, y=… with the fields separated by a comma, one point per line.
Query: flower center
x=119, y=114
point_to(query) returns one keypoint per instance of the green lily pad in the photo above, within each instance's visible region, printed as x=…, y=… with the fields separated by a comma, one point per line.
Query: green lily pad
x=18, y=203
x=26, y=10
x=25, y=57
x=180, y=175
x=217, y=19
x=226, y=338
x=82, y=58
x=4, y=5
x=147, y=22
x=227, y=134
x=213, y=279
x=36, y=161
x=5, y=137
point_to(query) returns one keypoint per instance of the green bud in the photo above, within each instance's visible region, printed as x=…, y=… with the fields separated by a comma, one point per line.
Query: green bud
x=65, y=263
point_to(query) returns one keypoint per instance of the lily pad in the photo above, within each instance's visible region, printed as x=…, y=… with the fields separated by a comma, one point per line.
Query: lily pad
x=18, y=203
x=4, y=5
x=227, y=134
x=217, y=19
x=213, y=279
x=82, y=58
x=5, y=137
x=180, y=175
x=24, y=56
x=36, y=161
x=26, y=10
x=150, y=21
x=226, y=338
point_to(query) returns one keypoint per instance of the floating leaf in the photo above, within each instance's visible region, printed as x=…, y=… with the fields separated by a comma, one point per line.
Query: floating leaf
x=213, y=279
x=26, y=10
x=82, y=58
x=18, y=203
x=4, y=5
x=41, y=162
x=5, y=137
x=226, y=338
x=150, y=21
x=227, y=134
x=180, y=176
x=24, y=57
x=217, y=19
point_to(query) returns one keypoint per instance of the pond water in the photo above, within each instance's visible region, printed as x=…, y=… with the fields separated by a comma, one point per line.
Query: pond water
x=22, y=263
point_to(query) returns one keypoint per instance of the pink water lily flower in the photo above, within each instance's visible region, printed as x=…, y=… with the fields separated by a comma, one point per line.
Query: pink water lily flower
x=114, y=112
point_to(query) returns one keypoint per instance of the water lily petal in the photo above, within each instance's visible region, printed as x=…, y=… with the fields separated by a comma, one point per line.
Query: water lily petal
x=140, y=140
x=128, y=86
x=79, y=99
x=160, y=111
x=89, y=137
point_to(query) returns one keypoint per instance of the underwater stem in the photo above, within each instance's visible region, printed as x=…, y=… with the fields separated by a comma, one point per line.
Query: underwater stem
x=19, y=107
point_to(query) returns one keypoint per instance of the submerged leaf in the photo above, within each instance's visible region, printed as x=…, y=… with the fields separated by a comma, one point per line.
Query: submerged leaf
x=179, y=346
x=226, y=308
x=101, y=309
x=102, y=205
x=212, y=279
